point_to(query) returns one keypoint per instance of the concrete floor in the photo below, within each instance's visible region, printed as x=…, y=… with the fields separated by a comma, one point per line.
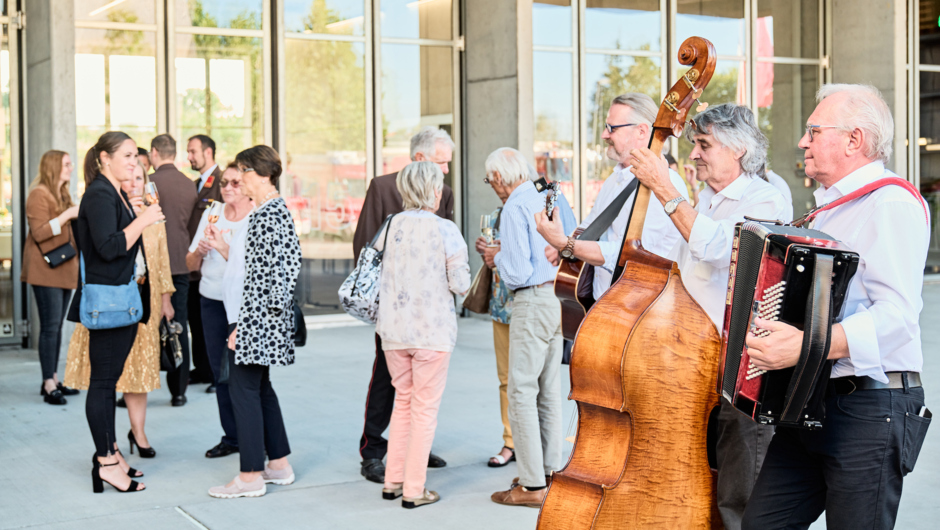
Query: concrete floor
x=44, y=468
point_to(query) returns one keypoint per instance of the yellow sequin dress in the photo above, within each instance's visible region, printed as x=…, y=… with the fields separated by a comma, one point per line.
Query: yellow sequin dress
x=142, y=368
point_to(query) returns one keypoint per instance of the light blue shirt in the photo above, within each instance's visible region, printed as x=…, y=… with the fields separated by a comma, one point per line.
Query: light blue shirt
x=205, y=176
x=521, y=260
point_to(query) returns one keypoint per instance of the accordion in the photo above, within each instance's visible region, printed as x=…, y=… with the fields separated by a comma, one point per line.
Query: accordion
x=797, y=276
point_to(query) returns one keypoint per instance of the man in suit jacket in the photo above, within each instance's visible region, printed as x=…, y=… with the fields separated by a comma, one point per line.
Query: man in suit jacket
x=177, y=199
x=383, y=199
x=200, y=152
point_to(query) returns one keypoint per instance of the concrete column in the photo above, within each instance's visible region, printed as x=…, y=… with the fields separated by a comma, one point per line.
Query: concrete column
x=499, y=110
x=869, y=45
x=49, y=96
x=50, y=81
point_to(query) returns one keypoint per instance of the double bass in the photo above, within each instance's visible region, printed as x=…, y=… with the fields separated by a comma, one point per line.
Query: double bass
x=643, y=372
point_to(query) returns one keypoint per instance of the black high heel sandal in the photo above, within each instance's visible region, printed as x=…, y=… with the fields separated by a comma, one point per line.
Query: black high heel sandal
x=97, y=483
x=131, y=472
x=145, y=452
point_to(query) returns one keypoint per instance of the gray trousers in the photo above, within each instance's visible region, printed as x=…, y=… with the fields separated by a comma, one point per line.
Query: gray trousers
x=742, y=446
x=535, y=346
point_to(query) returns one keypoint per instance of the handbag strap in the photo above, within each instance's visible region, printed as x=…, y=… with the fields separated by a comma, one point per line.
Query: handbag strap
x=600, y=225
x=81, y=263
x=69, y=226
x=383, y=228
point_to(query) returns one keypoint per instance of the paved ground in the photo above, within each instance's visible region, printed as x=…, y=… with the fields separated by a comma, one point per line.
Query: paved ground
x=44, y=462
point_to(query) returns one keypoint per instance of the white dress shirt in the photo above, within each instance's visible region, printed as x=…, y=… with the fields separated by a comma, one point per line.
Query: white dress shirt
x=784, y=188
x=889, y=230
x=659, y=233
x=704, y=261
x=205, y=176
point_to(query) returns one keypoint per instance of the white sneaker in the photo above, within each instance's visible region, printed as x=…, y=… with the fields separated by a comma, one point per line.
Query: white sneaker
x=238, y=489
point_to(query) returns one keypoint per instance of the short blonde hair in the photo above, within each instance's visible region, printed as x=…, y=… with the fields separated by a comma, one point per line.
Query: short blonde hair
x=418, y=183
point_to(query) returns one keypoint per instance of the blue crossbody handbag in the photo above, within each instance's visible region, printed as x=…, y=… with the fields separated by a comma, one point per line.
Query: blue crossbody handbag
x=109, y=306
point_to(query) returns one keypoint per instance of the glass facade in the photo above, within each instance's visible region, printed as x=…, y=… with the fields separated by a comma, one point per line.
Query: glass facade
x=9, y=266
x=620, y=46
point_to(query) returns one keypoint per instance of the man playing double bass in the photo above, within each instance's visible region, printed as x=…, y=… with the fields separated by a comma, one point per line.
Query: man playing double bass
x=730, y=156
x=629, y=125
x=876, y=421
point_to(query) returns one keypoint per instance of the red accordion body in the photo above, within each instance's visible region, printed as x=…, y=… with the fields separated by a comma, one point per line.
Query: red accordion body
x=795, y=275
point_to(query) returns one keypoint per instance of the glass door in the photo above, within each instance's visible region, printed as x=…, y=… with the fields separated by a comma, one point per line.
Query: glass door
x=11, y=190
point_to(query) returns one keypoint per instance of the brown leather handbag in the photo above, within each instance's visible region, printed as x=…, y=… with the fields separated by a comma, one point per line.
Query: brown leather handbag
x=481, y=291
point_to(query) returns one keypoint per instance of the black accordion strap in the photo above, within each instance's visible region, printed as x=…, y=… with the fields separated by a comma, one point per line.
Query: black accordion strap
x=815, y=350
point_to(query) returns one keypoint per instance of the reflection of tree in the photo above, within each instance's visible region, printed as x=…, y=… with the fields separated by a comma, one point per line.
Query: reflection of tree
x=201, y=110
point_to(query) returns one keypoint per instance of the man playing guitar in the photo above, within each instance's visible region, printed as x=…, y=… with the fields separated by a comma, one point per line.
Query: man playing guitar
x=629, y=126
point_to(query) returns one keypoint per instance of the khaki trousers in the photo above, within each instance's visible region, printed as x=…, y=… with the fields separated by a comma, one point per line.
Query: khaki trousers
x=535, y=346
x=501, y=345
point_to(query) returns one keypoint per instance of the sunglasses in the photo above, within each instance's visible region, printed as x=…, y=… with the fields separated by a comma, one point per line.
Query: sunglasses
x=235, y=184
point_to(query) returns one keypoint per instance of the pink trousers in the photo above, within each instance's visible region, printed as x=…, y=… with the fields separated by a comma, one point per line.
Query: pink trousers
x=419, y=377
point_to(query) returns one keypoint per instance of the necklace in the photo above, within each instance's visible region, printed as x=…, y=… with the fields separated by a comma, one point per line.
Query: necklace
x=268, y=197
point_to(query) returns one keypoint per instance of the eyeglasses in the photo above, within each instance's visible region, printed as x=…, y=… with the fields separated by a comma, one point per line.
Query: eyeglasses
x=811, y=132
x=69, y=165
x=246, y=169
x=233, y=183
x=611, y=128
x=486, y=179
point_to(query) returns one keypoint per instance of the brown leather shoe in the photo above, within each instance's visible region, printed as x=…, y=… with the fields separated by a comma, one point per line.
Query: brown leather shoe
x=517, y=495
x=548, y=480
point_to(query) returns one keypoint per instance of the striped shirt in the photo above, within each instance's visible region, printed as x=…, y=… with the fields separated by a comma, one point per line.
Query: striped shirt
x=521, y=260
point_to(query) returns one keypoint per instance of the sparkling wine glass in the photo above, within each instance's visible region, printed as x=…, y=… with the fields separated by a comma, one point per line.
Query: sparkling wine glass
x=152, y=196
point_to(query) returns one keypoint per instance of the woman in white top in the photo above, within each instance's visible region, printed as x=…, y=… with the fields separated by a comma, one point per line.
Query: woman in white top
x=425, y=261
x=208, y=254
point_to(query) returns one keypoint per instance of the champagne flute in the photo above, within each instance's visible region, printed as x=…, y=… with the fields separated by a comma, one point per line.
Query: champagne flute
x=152, y=196
x=215, y=210
x=486, y=228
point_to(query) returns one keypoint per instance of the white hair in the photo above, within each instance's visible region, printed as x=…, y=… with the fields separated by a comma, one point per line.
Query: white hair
x=864, y=108
x=418, y=183
x=734, y=127
x=510, y=164
x=643, y=107
x=425, y=142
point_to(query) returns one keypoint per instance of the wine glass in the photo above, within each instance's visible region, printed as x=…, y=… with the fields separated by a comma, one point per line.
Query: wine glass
x=486, y=228
x=215, y=210
x=152, y=196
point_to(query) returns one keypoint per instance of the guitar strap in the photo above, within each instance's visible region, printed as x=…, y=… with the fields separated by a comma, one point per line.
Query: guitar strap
x=600, y=225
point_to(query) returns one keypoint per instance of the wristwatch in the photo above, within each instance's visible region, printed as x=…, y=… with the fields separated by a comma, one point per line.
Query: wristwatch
x=672, y=205
x=568, y=251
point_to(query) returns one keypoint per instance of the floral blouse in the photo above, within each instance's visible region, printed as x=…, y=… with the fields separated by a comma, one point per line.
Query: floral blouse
x=501, y=303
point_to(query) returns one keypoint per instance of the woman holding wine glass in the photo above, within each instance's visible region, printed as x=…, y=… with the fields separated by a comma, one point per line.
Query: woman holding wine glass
x=142, y=369
x=108, y=235
x=209, y=254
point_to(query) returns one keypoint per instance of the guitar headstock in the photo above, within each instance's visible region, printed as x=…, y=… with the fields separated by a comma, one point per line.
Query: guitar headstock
x=671, y=119
x=551, y=198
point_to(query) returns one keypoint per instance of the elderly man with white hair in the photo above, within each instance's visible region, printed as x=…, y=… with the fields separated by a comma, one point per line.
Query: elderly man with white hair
x=730, y=152
x=535, y=341
x=876, y=421
x=383, y=199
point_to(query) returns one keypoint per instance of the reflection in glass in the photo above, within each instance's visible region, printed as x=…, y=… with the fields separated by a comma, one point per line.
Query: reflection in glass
x=551, y=22
x=115, y=87
x=338, y=17
x=131, y=11
x=219, y=91
x=623, y=25
x=324, y=180
x=783, y=109
x=608, y=76
x=788, y=28
x=720, y=21
x=417, y=91
x=417, y=19
x=554, y=130
x=7, y=313
x=238, y=14
x=728, y=85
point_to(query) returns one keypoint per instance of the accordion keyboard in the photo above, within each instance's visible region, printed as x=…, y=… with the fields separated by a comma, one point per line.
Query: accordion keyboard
x=768, y=308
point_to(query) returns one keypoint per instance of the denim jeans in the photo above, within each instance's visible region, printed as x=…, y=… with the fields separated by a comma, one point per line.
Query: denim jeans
x=53, y=304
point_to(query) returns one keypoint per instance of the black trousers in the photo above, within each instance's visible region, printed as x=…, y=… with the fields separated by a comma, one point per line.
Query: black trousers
x=741, y=449
x=257, y=414
x=107, y=352
x=178, y=379
x=202, y=371
x=216, y=331
x=53, y=304
x=379, y=402
x=852, y=468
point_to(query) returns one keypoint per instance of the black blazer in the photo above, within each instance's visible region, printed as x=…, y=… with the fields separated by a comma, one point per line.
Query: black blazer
x=99, y=236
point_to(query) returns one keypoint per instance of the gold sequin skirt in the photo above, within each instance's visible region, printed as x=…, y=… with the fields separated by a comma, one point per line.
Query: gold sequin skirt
x=141, y=370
